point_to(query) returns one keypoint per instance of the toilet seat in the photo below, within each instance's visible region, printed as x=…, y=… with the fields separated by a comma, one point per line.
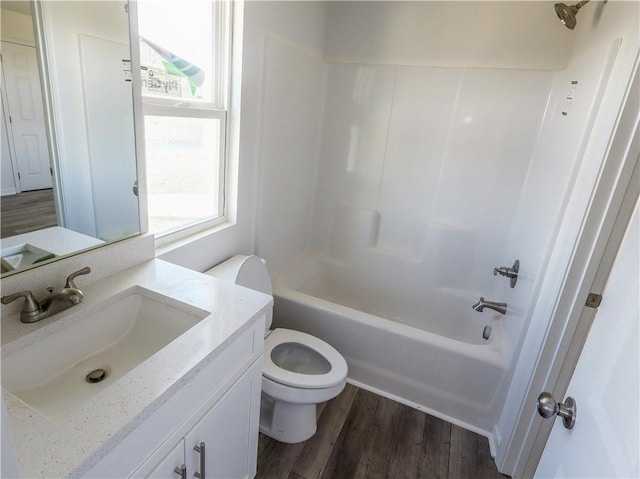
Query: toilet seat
x=271, y=370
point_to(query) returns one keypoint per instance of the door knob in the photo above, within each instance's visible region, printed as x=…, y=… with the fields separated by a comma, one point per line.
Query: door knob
x=548, y=407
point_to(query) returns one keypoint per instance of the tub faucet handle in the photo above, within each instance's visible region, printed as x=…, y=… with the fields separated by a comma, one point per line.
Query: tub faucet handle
x=509, y=272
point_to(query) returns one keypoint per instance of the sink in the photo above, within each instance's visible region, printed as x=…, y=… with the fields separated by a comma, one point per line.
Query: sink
x=21, y=256
x=52, y=375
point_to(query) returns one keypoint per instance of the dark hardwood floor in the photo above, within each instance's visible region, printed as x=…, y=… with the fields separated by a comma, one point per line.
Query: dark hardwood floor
x=363, y=435
x=28, y=211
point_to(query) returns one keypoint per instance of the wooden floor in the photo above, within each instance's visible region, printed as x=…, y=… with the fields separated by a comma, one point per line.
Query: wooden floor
x=362, y=435
x=28, y=211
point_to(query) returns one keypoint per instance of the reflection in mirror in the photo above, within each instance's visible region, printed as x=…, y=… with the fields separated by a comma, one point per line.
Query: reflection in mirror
x=68, y=142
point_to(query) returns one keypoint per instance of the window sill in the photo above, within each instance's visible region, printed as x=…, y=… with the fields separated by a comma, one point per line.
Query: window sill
x=162, y=246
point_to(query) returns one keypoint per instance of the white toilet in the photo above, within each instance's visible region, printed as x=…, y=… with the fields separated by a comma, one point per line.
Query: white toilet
x=299, y=370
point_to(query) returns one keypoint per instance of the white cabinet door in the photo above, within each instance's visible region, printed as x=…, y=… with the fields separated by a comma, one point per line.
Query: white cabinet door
x=166, y=469
x=605, y=440
x=229, y=432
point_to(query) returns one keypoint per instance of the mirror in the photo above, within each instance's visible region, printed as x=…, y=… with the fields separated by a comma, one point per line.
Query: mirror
x=68, y=138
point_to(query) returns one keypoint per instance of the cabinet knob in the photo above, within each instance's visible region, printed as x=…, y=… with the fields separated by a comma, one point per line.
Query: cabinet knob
x=200, y=449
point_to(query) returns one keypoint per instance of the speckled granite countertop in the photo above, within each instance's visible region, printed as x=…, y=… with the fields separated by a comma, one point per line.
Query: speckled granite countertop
x=70, y=445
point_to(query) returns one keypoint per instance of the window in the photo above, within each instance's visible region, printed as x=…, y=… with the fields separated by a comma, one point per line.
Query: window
x=184, y=58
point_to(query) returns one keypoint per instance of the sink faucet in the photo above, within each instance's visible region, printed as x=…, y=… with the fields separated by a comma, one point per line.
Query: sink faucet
x=499, y=307
x=57, y=301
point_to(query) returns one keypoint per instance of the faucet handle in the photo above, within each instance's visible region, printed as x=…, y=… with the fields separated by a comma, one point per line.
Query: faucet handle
x=509, y=272
x=30, y=305
x=70, y=283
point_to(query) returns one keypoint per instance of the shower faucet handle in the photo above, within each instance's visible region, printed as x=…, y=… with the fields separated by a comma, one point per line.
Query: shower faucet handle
x=509, y=272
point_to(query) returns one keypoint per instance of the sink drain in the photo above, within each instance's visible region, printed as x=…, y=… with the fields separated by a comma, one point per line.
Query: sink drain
x=96, y=376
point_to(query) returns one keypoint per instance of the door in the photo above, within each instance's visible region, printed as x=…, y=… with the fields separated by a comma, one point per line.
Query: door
x=107, y=92
x=604, y=441
x=24, y=106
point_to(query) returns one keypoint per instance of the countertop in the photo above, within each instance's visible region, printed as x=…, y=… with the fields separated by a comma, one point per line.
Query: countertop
x=71, y=444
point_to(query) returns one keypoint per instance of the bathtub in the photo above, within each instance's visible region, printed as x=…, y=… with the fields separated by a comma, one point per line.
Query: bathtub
x=453, y=379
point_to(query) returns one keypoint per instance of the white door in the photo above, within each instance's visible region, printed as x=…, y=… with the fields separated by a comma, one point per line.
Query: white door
x=25, y=107
x=605, y=440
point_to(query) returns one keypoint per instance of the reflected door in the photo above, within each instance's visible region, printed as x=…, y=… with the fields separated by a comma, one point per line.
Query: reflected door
x=106, y=83
x=27, y=132
x=604, y=442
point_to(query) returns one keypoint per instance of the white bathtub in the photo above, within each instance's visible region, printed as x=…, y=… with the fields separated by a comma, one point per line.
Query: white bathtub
x=446, y=377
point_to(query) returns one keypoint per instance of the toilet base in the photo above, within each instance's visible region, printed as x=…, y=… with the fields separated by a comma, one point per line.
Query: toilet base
x=287, y=422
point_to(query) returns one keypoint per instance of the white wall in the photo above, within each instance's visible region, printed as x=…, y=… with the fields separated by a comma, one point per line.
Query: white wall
x=290, y=119
x=480, y=34
x=286, y=92
x=278, y=127
x=16, y=26
x=290, y=98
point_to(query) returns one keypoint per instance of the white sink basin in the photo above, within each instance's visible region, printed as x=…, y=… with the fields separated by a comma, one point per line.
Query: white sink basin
x=50, y=375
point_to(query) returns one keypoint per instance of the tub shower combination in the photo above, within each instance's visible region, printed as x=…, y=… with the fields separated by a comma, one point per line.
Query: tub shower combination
x=426, y=178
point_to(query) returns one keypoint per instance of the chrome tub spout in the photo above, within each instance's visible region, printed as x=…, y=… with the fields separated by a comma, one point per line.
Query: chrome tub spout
x=499, y=307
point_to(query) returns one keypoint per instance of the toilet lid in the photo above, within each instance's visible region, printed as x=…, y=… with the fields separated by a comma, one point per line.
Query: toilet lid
x=297, y=359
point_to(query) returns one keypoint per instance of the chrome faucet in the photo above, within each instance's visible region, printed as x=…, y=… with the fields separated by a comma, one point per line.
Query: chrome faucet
x=57, y=301
x=499, y=307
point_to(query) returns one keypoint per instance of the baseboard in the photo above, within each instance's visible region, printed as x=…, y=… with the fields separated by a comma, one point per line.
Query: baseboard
x=8, y=191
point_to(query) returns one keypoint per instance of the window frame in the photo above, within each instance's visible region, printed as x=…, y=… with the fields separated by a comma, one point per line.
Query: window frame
x=222, y=34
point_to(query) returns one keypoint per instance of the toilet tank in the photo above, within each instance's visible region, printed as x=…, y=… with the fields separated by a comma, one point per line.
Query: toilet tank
x=248, y=271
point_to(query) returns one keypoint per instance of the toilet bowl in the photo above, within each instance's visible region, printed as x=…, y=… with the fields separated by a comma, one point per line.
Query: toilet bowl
x=299, y=370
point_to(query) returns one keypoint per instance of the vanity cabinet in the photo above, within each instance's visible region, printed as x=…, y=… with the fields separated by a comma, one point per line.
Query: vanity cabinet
x=219, y=406
x=223, y=432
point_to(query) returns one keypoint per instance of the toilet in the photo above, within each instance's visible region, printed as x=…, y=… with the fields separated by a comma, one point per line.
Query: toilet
x=299, y=370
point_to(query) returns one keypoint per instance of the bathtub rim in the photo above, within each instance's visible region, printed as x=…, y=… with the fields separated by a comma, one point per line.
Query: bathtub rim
x=488, y=352
x=289, y=280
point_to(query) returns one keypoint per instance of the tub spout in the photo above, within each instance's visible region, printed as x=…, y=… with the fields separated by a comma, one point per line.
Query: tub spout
x=499, y=307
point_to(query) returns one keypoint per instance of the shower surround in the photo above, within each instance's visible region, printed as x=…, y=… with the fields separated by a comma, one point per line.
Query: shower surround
x=420, y=168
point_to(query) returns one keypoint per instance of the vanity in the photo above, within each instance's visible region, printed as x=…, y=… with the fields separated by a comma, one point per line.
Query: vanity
x=184, y=407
